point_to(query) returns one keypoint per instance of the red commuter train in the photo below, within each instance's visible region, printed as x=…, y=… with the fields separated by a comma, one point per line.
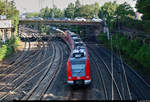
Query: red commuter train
x=78, y=65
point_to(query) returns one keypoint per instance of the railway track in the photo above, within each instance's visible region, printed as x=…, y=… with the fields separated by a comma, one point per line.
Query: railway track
x=57, y=86
x=46, y=81
x=18, y=78
x=108, y=71
x=57, y=90
x=123, y=76
x=139, y=88
x=99, y=71
x=12, y=79
x=15, y=68
x=30, y=74
x=38, y=75
x=137, y=91
x=25, y=83
x=56, y=73
x=20, y=59
x=78, y=93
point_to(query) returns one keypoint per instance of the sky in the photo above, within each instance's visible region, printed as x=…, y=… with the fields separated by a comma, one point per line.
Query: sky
x=35, y=5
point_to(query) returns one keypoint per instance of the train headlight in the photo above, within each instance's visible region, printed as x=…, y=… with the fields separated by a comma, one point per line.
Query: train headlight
x=69, y=77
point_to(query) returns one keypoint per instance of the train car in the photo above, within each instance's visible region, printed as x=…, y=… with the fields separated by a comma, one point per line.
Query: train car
x=78, y=65
x=67, y=38
x=78, y=68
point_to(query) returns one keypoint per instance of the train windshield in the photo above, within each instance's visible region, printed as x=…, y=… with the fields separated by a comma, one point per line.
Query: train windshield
x=78, y=68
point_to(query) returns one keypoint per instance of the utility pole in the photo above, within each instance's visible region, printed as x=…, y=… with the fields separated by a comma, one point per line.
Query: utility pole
x=106, y=30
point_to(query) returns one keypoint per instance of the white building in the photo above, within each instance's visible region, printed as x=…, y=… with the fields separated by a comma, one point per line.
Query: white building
x=138, y=16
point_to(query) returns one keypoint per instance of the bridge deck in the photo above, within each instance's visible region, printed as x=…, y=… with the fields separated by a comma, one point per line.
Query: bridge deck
x=59, y=22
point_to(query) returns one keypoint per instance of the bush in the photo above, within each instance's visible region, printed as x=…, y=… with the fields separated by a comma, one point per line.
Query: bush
x=7, y=49
x=136, y=24
x=131, y=48
x=118, y=40
x=3, y=51
x=143, y=55
x=146, y=26
x=16, y=42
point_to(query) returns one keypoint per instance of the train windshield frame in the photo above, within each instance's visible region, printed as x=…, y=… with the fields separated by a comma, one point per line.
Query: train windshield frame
x=78, y=68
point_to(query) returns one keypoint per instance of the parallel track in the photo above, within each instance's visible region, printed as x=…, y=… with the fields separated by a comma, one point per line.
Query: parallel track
x=135, y=91
x=23, y=74
x=107, y=70
x=45, y=81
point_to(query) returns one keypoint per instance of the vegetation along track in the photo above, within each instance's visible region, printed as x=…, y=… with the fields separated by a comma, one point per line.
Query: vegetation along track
x=16, y=58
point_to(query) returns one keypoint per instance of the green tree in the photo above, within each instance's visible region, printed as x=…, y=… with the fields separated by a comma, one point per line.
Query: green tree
x=69, y=11
x=2, y=8
x=77, y=8
x=51, y=12
x=108, y=10
x=96, y=9
x=46, y=12
x=77, y=4
x=86, y=11
x=58, y=13
x=124, y=10
x=41, y=14
x=123, y=13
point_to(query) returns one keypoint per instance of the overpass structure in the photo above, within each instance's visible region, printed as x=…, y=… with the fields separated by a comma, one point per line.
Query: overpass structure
x=60, y=22
x=92, y=28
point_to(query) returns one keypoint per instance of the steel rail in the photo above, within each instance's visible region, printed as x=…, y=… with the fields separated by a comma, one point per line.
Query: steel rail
x=101, y=77
x=119, y=93
x=16, y=88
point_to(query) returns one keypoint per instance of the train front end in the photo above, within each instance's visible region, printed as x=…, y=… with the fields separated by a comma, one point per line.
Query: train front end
x=78, y=70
